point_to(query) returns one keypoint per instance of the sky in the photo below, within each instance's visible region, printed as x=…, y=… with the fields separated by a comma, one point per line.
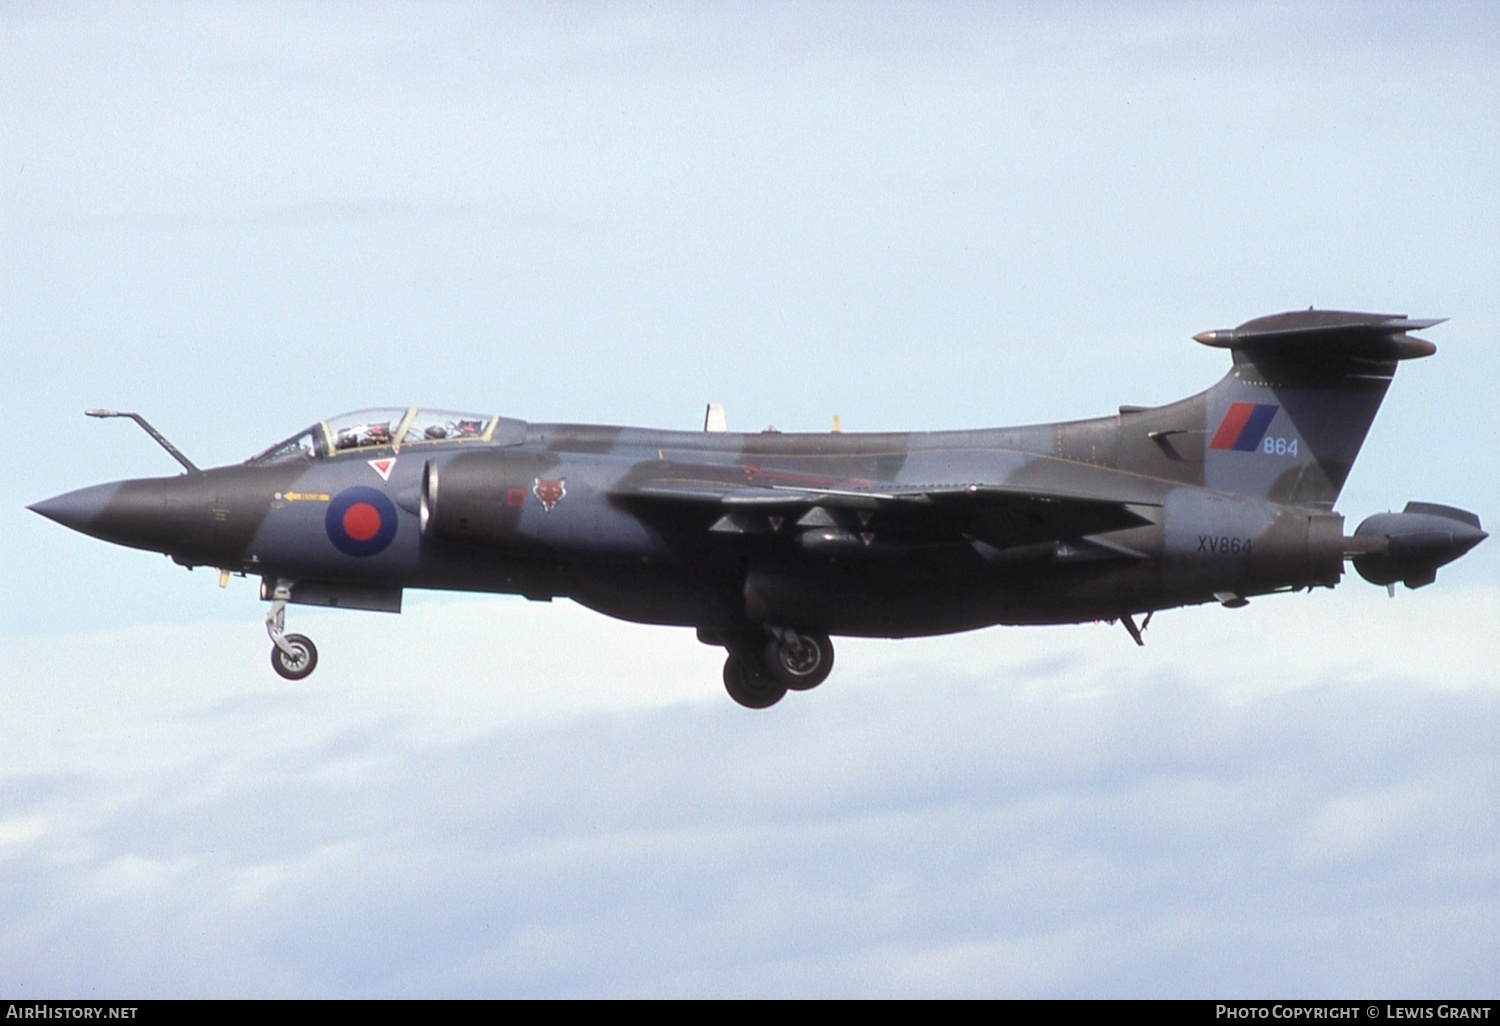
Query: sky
x=238, y=219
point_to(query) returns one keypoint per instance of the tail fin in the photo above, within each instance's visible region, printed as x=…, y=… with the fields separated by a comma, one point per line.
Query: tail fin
x=1287, y=422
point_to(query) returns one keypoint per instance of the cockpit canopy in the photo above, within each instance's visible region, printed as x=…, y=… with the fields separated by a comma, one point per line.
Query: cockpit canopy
x=380, y=428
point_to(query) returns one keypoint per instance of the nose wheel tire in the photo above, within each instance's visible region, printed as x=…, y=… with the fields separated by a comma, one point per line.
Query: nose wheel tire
x=299, y=662
x=751, y=685
x=799, y=661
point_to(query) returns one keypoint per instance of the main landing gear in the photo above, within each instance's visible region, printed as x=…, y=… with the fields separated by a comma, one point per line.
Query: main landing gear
x=294, y=656
x=762, y=667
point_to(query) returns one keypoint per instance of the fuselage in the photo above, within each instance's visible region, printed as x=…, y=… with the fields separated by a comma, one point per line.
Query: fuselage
x=769, y=543
x=555, y=510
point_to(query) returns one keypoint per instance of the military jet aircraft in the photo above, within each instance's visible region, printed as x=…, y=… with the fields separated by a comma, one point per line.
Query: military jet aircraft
x=770, y=543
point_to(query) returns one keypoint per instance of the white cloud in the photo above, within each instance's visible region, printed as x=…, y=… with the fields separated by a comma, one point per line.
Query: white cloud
x=486, y=797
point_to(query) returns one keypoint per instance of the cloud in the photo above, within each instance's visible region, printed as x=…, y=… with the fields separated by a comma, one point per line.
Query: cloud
x=492, y=798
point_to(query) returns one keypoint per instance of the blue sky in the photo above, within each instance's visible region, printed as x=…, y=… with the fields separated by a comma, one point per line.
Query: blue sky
x=238, y=219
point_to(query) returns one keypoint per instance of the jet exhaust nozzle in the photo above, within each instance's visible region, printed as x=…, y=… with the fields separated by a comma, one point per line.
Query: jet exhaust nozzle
x=1411, y=545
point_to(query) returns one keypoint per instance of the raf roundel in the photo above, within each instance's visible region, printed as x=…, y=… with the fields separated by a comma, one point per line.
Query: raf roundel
x=360, y=521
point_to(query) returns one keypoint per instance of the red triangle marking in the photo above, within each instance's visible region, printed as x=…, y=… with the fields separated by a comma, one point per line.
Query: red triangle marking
x=383, y=467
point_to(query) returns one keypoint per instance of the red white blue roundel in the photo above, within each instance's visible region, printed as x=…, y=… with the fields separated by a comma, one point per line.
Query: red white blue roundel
x=360, y=521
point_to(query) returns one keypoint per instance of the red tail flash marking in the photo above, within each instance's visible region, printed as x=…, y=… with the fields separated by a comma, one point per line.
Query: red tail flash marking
x=1232, y=425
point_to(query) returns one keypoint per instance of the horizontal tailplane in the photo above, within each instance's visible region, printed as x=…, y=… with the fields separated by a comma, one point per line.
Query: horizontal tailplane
x=1318, y=335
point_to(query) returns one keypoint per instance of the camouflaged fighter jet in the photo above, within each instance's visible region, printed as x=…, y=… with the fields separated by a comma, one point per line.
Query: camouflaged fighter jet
x=769, y=543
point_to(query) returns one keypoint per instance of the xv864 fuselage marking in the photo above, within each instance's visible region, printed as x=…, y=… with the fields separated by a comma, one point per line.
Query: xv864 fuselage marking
x=768, y=544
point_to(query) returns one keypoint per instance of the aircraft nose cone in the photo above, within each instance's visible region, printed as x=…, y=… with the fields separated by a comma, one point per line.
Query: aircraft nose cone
x=180, y=516
x=78, y=510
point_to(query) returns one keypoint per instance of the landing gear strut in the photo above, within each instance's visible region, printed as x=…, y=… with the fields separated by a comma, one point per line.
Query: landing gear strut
x=294, y=656
x=763, y=666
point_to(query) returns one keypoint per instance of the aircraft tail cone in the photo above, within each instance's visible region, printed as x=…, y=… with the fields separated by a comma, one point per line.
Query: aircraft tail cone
x=1411, y=545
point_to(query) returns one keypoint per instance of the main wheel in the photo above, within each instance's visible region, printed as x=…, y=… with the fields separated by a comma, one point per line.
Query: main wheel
x=298, y=665
x=804, y=663
x=750, y=685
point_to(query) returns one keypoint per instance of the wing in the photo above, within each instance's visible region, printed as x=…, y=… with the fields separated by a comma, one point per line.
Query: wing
x=740, y=499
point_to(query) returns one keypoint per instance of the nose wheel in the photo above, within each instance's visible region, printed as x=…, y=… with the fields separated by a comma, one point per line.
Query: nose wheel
x=297, y=660
x=293, y=656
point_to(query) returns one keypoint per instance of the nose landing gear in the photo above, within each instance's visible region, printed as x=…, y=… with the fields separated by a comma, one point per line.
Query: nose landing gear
x=293, y=656
x=760, y=670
